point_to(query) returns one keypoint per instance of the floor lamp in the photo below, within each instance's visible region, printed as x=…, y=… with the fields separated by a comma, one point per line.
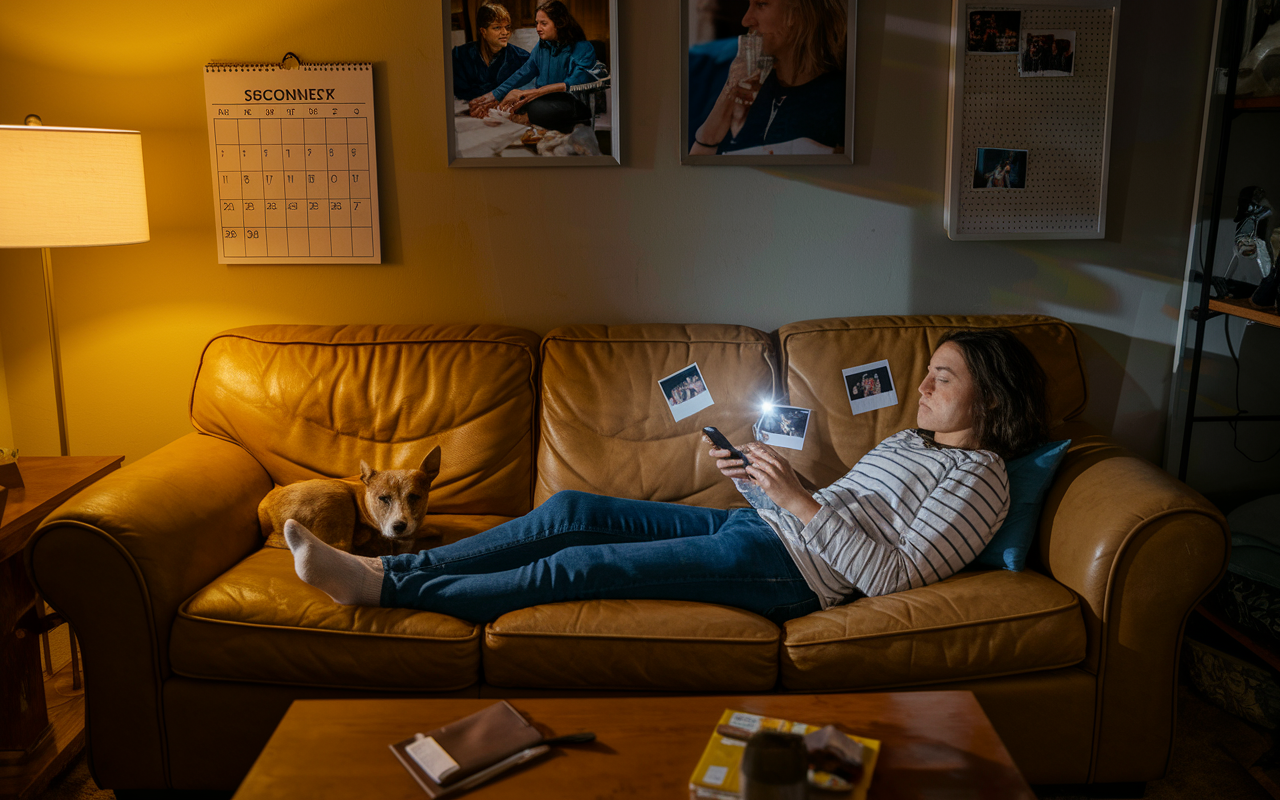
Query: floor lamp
x=69, y=187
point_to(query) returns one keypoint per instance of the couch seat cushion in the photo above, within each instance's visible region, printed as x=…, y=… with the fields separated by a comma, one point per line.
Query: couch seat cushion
x=663, y=645
x=259, y=622
x=972, y=625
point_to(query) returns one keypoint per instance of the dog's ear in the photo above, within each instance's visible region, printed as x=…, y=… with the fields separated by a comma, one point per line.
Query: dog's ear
x=431, y=464
x=366, y=473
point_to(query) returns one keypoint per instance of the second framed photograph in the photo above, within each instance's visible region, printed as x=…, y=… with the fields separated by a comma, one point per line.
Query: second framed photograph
x=767, y=82
x=531, y=82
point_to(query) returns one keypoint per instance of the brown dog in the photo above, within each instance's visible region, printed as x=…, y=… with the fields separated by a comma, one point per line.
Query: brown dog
x=381, y=513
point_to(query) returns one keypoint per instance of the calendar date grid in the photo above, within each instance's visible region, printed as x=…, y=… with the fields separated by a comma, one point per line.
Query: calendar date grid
x=294, y=180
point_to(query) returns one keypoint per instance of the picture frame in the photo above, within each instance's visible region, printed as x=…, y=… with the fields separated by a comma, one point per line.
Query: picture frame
x=713, y=43
x=545, y=133
x=1029, y=131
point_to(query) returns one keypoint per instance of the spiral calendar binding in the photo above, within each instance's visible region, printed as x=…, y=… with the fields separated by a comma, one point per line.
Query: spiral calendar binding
x=331, y=66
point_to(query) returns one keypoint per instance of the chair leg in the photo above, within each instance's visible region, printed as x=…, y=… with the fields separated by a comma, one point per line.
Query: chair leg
x=44, y=638
x=76, y=683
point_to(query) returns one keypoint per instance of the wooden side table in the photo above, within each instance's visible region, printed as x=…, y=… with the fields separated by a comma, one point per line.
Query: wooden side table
x=32, y=750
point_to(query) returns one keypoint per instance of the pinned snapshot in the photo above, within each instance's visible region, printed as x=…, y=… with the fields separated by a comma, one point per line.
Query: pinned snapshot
x=783, y=426
x=870, y=386
x=994, y=32
x=1047, y=54
x=685, y=392
x=996, y=168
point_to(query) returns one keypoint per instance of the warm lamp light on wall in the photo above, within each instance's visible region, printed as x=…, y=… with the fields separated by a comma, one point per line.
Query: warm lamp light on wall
x=69, y=187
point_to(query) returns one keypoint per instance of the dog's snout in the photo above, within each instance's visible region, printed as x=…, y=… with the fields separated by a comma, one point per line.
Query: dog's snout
x=400, y=526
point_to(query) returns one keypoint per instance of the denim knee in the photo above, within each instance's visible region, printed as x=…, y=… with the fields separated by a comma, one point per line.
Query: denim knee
x=563, y=501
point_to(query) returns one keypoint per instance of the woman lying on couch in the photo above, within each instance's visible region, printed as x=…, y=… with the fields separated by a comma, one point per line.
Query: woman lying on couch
x=916, y=509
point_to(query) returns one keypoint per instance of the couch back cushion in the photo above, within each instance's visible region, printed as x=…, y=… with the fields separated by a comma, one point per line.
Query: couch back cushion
x=814, y=353
x=607, y=427
x=313, y=401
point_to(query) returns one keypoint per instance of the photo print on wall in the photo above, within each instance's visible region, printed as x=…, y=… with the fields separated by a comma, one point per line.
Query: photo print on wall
x=783, y=426
x=767, y=83
x=1047, y=54
x=870, y=386
x=996, y=168
x=530, y=82
x=685, y=392
x=994, y=32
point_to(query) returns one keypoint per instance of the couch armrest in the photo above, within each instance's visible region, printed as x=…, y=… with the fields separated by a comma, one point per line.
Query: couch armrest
x=1141, y=549
x=119, y=558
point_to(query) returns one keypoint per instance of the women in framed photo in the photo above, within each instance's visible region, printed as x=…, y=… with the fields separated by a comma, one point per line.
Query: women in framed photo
x=530, y=78
x=768, y=81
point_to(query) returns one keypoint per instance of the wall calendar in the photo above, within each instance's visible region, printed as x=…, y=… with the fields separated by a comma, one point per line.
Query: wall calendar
x=294, y=165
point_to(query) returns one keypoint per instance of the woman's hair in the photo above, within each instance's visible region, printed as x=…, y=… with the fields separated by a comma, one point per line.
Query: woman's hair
x=568, y=31
x=1010, y=412
x=819, y=31
x=489, y=13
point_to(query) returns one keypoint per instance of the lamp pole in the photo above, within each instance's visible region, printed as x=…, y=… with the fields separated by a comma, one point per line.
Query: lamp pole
x=46, y=258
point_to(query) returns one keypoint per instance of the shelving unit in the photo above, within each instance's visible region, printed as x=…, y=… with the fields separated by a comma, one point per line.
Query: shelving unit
x=1223, y=109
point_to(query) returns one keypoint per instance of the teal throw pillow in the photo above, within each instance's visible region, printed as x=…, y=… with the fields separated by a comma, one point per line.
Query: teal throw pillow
x=1029, y=479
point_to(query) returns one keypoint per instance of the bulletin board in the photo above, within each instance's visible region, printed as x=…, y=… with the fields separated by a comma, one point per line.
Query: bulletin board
x=1043, y=132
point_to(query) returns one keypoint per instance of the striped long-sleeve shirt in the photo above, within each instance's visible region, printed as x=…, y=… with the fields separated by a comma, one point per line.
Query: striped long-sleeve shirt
x=908, y=514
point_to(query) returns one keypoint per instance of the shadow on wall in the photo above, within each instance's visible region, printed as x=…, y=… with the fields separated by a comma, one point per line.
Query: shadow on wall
x=1126, y=320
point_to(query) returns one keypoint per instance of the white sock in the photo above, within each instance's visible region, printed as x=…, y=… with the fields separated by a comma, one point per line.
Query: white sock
x=349, y=579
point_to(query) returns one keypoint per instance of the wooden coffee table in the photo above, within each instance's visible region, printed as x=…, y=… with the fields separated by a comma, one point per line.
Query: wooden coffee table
x=936, y=744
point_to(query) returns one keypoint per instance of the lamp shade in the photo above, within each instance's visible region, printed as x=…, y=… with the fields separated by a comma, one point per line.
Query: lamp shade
x=71, y=187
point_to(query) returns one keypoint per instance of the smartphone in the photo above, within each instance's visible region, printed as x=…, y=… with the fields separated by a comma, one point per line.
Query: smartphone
x=718, y=439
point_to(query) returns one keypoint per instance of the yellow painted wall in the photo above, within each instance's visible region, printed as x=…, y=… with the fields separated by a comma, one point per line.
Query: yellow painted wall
x=648, y=241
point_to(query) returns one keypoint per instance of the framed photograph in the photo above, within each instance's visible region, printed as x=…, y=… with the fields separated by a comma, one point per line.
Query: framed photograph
x=767, y=83
x=783, y=426
x=685, y=392
x=870, y=386
x=1000, y=169
x=1047, y=54
x=994, y=32
x=531, y=82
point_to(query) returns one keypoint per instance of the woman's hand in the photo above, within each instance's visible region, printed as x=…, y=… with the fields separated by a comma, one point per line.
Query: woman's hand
x=729, y=113
x=729, y=467
x=483, y=100
x=516, y=98
x=481, y=111
x=772, y=472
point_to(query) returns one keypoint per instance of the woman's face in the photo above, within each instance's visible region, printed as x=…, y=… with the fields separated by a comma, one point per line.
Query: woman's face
x=770, y=19
x=546, y=28
x=497, y=35
x=946, y=398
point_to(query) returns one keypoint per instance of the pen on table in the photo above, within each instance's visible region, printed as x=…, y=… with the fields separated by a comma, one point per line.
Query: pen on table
x=485, y=774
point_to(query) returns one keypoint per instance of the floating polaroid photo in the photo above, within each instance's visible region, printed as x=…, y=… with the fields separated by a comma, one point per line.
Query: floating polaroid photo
x=994, y=32
x=996, y=168
x=783, y=426
x=685, y=391
x=870, y=386
x=1047, y=54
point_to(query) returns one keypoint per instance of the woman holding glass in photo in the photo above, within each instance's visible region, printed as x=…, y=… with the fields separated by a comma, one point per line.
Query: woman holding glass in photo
x=793, y=90
x=540, y=89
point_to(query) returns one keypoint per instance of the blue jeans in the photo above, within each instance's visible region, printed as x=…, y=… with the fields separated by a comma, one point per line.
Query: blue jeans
x=579, y=546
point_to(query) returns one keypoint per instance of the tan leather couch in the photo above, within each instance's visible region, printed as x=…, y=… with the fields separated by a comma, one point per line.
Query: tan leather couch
x=196, y=639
